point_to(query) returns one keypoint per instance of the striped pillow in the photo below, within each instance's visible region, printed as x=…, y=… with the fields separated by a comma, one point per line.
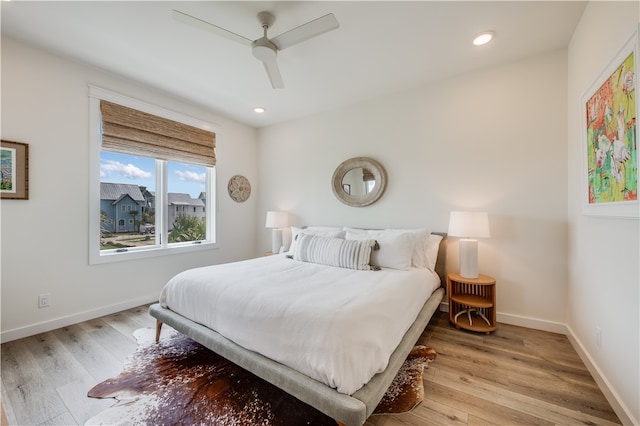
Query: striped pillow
x=352, y=254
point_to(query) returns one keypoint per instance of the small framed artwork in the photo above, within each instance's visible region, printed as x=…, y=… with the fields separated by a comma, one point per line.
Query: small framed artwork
x=14, y=170
x=610, y=145
x=347, y=188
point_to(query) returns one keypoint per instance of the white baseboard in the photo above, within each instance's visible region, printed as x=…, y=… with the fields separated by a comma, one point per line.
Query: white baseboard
x=622, y=411
x=536, y=324
x=43, y=327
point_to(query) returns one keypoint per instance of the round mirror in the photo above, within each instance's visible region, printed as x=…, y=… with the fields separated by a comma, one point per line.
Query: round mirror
x=359, y=181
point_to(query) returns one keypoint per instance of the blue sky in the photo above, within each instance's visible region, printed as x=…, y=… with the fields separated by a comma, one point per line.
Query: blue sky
x=123, y=168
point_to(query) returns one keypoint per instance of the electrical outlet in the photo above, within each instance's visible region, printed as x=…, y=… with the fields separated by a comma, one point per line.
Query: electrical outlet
x=598, y=336
x=44, y=300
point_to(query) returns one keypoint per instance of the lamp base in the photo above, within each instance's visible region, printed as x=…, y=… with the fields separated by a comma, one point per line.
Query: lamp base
x=276, y=240
x=469, y=258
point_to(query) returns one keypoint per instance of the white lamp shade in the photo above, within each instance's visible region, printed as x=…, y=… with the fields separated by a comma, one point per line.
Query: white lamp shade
x=469, y=224
x=277, y=219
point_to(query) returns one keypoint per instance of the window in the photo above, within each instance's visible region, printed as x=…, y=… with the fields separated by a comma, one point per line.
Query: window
x=153, y=173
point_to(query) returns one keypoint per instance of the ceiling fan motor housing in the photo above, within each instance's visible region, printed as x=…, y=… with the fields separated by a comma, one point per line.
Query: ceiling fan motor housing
x=264, y=49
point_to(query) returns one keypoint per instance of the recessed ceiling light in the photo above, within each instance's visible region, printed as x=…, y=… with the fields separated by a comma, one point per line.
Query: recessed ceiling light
x=259, y=110
x=483, y=38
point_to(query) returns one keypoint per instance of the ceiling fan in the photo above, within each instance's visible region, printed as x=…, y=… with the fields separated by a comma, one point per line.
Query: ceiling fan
x=264, y=48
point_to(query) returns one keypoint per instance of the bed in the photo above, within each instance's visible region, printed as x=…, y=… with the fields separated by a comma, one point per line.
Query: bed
x=271, y=318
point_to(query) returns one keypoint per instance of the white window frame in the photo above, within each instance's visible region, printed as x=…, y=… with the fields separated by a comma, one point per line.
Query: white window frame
x=162, y=247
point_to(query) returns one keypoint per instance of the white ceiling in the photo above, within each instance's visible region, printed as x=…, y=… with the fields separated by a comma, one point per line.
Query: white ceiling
x=381, y=47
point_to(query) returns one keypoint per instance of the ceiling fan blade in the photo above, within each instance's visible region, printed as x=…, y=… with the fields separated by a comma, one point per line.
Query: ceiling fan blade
x=204, y=25
x=306, y=31
x=274, y=74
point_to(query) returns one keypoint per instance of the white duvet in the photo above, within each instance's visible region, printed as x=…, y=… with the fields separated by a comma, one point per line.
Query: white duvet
x=338, y=326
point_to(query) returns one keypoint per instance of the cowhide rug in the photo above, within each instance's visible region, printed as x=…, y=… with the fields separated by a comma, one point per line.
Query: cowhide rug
x=180, y=382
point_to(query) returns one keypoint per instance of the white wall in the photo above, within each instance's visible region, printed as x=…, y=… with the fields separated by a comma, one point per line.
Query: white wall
x=492, y=140
x=604, y=256
x=45, y=239
x=506, y=140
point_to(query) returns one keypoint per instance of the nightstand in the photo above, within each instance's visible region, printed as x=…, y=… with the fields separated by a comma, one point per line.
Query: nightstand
x=472, y=302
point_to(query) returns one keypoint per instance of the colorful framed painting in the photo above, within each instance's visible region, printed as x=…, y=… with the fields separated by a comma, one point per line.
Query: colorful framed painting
x=611, y=138
x=14, y=170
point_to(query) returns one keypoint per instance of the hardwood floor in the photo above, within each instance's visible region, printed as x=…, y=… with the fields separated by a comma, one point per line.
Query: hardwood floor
x=513, y=376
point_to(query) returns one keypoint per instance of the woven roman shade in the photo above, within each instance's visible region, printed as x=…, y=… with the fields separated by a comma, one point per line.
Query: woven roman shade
x=129, y=131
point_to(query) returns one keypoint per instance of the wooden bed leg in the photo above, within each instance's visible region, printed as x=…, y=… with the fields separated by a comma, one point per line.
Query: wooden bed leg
x=158, y=329
x=340, y=423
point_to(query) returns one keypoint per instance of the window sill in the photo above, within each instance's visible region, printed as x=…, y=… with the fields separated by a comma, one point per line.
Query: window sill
x=97, y=258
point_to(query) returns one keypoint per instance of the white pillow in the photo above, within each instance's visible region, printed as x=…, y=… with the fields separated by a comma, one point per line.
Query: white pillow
x=323, y=229
x=358, y=230
x=425, y=254
x=314, y=230
x=433, y=246
x=395, y=248
x=425, y=248
x=421, y=237
x=332, y=251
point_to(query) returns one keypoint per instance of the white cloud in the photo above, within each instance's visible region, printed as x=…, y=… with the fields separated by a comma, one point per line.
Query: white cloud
x=129, y=171
x=188, y=176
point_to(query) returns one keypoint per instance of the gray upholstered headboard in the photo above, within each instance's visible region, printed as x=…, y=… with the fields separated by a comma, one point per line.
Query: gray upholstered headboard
x=442, y=259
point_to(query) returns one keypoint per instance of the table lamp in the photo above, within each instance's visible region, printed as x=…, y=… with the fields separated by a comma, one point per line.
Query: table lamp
x=277, y=221
x=469, y=225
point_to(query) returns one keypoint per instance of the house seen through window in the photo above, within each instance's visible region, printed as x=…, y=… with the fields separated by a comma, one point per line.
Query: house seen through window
x=128, y=201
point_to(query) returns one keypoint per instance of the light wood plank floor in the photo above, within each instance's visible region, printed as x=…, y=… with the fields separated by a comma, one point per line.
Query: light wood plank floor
x=513, y=376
